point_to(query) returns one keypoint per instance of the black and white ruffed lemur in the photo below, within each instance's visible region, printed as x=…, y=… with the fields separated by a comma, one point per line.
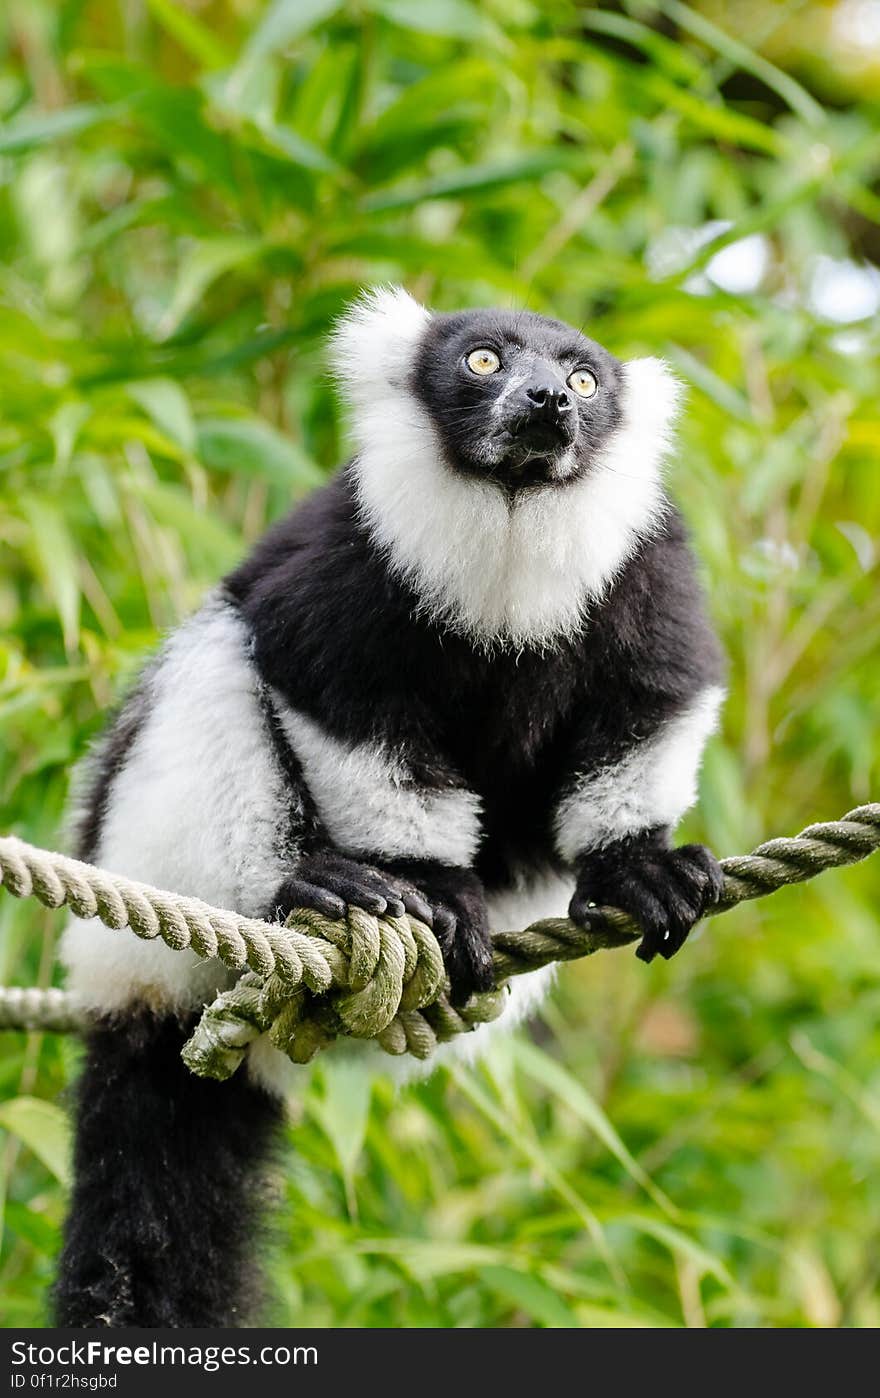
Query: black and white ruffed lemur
x=471, y=677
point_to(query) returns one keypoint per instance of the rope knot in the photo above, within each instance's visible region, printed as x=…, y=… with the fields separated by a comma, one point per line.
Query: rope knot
x=385, y=972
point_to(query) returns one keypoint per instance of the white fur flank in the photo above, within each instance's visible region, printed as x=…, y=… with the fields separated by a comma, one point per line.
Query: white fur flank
x=520, y=575
x=514, y=908
x=195, y=809
x=369, y=803
x=653, y=785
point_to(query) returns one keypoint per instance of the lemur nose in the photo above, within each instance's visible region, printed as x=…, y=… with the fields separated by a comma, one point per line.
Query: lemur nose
x=553, y=400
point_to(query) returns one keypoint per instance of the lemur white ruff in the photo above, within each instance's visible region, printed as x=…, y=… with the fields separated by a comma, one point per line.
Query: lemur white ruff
x=471, y=677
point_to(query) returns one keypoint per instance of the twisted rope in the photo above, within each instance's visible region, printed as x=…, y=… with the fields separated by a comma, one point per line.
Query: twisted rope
x=313, y=979
x=27, y=1007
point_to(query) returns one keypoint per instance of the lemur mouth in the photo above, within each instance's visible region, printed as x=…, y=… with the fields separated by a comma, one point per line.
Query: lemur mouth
x=532, y=460
x=531, y=472
x=531, y=469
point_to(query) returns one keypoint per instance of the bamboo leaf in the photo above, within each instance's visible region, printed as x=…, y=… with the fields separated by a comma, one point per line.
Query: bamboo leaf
x=679, y=1242
x=56, y=557
x=169, y=505
x=531, y=1295
x=165, y=401
x=43, y=128
x=741, y=56
x=44, y=1128
x=456, y=19
x=284, y=21
x=343, y=1112
x=195, y=37
x=202, y=264
x=566, y=1087
x=475, y=179
x=250, y=447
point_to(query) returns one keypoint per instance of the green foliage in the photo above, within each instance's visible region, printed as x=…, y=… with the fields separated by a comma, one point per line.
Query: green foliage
x=189, y=191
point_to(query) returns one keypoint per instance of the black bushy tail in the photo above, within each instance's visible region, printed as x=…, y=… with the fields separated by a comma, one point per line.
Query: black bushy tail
x=169, y=1186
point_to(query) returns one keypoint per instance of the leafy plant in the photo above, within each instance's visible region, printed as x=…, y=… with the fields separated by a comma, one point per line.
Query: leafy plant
x=190, y=190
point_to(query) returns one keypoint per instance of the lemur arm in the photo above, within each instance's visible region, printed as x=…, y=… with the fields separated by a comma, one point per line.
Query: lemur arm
x=614, y=824
x=395, y=829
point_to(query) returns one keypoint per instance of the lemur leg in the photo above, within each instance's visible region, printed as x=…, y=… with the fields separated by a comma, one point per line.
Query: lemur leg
x=169, y=1185
x=190, y=790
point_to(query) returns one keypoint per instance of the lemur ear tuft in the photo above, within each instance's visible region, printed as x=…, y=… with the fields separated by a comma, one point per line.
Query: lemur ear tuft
x=374, y=342
x=653, y=396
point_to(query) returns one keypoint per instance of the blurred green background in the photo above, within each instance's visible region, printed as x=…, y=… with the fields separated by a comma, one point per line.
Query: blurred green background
x=190, y=190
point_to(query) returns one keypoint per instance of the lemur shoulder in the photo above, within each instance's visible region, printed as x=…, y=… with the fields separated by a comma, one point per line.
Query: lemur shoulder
x=471, y=677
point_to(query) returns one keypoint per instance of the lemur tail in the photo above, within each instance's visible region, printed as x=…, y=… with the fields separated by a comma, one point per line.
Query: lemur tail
x=168, y=1186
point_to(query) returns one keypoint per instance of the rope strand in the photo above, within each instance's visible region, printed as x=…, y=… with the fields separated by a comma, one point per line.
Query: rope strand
x=313, y=979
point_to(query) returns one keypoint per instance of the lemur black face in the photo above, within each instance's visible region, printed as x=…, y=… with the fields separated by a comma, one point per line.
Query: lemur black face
x=517, y=398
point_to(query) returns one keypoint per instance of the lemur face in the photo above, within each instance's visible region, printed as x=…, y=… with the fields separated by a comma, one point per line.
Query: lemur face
x=516, y=398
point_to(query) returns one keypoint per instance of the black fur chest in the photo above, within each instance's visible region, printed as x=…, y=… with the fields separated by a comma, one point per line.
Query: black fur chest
x=508, y=725
x=503, y=717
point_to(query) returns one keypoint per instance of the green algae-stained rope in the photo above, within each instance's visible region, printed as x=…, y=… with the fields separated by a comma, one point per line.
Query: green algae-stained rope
x=370, y=978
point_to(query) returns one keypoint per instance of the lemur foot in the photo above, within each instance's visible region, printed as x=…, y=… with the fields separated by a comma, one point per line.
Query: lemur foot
x=328, y=881
x=667, y=891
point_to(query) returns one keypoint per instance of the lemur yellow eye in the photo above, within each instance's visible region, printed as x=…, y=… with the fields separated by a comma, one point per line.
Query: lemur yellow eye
x=583, y=382
x=483, y=361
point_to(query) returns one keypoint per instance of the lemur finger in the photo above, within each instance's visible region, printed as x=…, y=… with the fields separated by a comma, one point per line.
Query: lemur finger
x=468, y=965
x=683, y=902
x=357, y=883
x=635, y=895
x=463, y=974
x=681, y=898
x=457, y=971
x=674, y=938
x=358, y=894
x=299, y=893
x=638, y=898
x=402, y=894
x=582, y=909
x=691, y=893
x=445, y=923
x=479, y=957
x=688, y=875
x=675, y=933
x=700, y=858
x=415, y=902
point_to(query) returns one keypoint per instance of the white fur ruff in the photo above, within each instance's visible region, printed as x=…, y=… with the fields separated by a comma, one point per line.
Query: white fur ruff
x=523, y=574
